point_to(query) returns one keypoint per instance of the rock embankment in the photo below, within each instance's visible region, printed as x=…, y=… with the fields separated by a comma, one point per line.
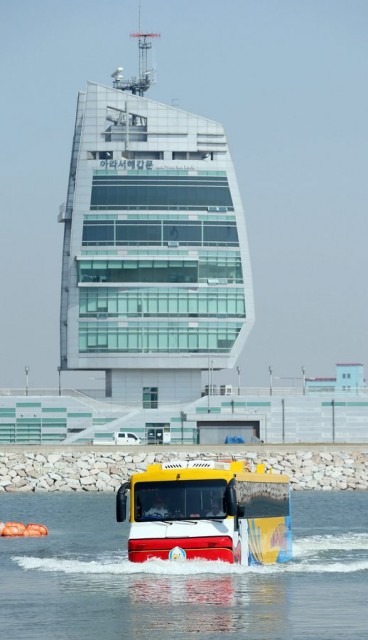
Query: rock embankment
x=98, y=470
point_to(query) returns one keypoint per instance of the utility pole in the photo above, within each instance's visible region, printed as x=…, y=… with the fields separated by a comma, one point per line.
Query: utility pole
x=270, y=372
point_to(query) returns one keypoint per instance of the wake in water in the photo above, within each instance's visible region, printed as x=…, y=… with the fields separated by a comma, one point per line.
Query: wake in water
x=161, y=567
x=317, y=554
x=123, y=566
x=314, y=544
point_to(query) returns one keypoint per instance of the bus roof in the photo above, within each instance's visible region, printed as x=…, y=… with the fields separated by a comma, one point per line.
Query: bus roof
x=207, y=469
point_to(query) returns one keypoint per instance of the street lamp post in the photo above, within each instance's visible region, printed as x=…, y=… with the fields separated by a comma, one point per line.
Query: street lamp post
x=209, y=385
x=238, y=372
x=270, y=372
x=59, y=373
x=211, y=379
x=27, y=370
x=183, y=417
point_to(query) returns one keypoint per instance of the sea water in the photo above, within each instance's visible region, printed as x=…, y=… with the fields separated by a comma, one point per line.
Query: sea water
x=77, y=583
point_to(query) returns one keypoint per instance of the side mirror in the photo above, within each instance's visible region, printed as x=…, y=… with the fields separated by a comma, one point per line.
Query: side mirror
x=121, y=502
x=230, y=497
x=240, y=511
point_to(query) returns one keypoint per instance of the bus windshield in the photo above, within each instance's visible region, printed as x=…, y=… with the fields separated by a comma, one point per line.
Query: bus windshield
x=179, y=500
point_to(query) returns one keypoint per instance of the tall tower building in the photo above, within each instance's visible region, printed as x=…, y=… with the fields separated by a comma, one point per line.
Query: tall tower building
x=156, y=279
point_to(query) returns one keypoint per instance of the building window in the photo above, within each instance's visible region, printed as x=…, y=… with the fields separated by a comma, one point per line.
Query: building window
x=114, y=303
x=159, y=232
x=216, y=270
x=121, y=192
x=150, y=397
x=138, y=271
x=161, y=337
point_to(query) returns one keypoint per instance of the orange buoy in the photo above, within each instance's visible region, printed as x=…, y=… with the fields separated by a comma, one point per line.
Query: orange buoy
x=16, y=529
x=13, y=529
x=35, y=530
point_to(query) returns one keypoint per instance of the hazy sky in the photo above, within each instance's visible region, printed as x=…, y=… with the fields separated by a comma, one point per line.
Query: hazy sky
x=286, y=78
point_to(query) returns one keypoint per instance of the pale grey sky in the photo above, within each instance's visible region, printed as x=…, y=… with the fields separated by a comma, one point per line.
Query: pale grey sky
x=286, y=78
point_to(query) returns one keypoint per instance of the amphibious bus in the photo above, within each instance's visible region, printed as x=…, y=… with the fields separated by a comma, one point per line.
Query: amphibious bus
x=208, y=510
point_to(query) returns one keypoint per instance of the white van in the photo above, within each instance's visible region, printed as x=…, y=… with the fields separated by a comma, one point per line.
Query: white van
x=226, y=390
x=127, y=438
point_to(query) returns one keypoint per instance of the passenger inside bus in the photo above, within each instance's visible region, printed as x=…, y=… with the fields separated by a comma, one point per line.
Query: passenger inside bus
x=216, y=510
x=158, y=508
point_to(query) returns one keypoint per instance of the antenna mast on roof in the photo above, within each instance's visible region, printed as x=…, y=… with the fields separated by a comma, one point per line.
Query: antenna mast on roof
x=139, y=85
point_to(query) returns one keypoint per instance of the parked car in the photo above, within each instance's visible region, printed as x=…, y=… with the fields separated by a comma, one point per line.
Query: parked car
x=127, y=437
x=119, y=437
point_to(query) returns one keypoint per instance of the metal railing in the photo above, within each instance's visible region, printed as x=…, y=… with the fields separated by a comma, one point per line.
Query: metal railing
x=215, y=391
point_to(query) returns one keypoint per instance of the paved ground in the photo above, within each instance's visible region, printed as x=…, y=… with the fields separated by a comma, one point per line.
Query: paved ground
x=224, y=449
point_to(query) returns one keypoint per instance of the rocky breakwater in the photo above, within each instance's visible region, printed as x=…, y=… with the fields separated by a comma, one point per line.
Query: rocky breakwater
x=98, y=470
x=340, y=470
x=79, y=471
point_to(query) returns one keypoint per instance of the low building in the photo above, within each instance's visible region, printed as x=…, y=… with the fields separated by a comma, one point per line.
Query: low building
x=349, y=378
x=250, y=415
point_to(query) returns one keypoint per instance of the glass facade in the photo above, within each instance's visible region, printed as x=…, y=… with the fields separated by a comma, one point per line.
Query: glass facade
x=159, y=232
x=145, y=302
x=175, y=270
x=157, y=337
x=119, y=192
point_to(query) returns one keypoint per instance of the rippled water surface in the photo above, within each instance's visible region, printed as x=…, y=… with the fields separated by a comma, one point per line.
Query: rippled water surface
x=77, y=584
